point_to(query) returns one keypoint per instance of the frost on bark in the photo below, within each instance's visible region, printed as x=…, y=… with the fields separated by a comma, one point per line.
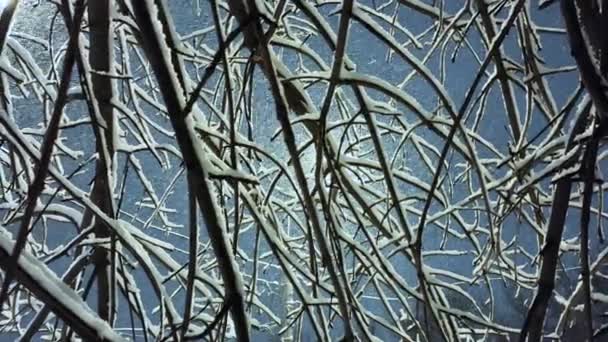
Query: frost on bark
x=303, y=170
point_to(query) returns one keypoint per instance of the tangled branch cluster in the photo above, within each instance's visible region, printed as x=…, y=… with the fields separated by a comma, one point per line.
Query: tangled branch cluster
x=302, y=170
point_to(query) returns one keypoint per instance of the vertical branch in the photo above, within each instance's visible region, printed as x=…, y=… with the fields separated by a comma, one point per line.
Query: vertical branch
x=501, y=71
x=287, y=94
x=339, y=280
x=192, y=255
x=262, y=48
x=535, y=319
x=6, y=20
x=592, y=80
x=588, y=178
x=101, y=60
x=232, y=111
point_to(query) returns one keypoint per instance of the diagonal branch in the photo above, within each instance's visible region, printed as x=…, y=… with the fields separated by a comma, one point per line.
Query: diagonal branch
x=168, y=71
x=50, y=137
x=592, y=79
x=61, y=299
